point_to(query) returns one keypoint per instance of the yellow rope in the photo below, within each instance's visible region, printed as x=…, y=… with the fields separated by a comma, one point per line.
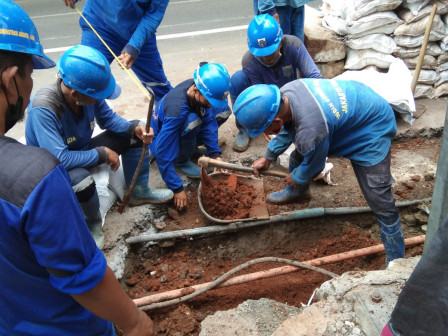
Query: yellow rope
x=136, y=81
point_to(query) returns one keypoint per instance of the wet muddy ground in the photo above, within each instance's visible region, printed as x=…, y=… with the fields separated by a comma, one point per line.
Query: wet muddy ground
x=152, y=269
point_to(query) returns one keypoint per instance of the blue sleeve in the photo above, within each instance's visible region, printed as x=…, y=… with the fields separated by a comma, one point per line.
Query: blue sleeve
x=313, y=163
x=59, y=237
x=44, y=130
x=165, y=149
x=109, y=120
x=278, y=145
x=264, y=6
x=148, y=24
x=253, y=70
x=209, y=135
x=305, y=64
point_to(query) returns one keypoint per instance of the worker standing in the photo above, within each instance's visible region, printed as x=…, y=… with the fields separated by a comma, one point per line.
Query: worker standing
x=62, y=118
x=54, y=280
x=272, y=58
x=328, y=118
x=186, y=117
x=129, y=29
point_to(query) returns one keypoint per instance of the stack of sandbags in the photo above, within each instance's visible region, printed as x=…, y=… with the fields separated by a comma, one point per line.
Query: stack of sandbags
x=366, y=26
x=377, y=31
x=409, y=37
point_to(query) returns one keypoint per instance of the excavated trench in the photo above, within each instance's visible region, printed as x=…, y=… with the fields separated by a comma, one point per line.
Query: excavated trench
x=156, y=267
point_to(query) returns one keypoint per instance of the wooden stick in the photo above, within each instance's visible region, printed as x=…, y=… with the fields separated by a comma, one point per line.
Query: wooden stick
x=128, y=194
x=206, y=161
x=421, y=56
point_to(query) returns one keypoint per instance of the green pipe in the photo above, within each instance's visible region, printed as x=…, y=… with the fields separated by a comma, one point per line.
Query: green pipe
x=282, y=217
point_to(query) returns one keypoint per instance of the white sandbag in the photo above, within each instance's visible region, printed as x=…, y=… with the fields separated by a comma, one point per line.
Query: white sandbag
x=424, y=91
x=432, y=49
x=415, y=41
x=429, y=62
x=382, y=22
x=359, y=59
x=442, y=67
x=414, y=5
x=444, y=43
x=441, y=90
x=427, y=76
x=442, y=59
x=406, y=15
x=394, y=86
x=418, y=28
x=352, y=10
x=443, y=78
x=379, y=42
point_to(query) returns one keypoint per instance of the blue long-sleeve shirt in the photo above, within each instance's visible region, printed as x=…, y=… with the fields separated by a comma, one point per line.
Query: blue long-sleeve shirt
x=46, y=251
x=132, y=20
x=169, y=121
x=50, y=124
x=268, y=6
x=294, y=63
x=334, y=118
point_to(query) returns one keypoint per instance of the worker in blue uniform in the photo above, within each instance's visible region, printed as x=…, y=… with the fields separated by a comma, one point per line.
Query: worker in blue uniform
x=54, y=280
x=272, y=58
x=289, y=13
x=62, y=118
x=328, y=118
x=186, y=117
x=129, y=29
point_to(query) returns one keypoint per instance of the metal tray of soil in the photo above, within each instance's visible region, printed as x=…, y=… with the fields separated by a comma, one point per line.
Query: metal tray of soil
x=227, y=198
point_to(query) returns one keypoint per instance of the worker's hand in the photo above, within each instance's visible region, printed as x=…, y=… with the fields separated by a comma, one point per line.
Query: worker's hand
x=290, y=182
x=180, y=200
x=140, y=132
x=112, y=159
x=267, y=137
x=277, y=17
x=222, y=170
x=260, y=164
x=144, y=326
x=70, y=3
x=126, y=59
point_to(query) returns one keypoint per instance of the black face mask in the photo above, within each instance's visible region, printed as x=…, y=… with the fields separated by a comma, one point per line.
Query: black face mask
x=198, y=107
x=14, y=112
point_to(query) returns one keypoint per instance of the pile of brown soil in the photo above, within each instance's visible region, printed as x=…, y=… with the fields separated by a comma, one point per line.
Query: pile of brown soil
x=227, y=198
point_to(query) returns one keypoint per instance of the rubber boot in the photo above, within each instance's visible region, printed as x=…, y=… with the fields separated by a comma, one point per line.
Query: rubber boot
x=290, y=194
x=189, y=169
x=142, y=194
x=393, y=240
x=242, y=139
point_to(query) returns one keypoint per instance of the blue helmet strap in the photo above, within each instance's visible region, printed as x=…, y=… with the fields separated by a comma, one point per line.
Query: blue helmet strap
x=14, y=111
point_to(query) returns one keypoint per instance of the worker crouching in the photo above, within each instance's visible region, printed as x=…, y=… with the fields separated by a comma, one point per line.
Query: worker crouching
x=328, y=118
x=62, y=118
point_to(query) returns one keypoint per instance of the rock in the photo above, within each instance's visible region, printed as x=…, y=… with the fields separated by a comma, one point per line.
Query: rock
x=160, y=225
x=173, y=213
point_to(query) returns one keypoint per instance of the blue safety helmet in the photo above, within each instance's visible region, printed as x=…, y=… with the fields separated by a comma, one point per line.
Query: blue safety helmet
x=256, y=107
x=18, y=34
x=264, y=35
x=213, y=81
x=87, y=71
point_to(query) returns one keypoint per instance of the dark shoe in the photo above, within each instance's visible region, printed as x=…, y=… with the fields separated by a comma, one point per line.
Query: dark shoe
x=289, y=195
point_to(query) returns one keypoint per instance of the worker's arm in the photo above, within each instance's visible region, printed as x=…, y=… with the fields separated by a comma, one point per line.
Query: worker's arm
x=313, y=163
x=305, y=63
x=146, y=28
x=108, y=300
x=265, y=6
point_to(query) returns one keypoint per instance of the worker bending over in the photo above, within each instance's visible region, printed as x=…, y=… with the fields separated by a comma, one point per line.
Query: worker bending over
x=54, y=280
x=328, y=118
x=272, y=58
x=188, y=116
x=62, y=118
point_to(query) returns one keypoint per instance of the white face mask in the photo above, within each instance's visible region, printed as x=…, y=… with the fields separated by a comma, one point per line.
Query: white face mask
x=273, y=63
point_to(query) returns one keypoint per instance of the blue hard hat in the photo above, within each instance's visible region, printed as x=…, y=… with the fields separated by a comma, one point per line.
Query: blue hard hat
x=256, y=107
x=264, y=35
x=18, y=34
x=213, y=81
x=87, y=71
